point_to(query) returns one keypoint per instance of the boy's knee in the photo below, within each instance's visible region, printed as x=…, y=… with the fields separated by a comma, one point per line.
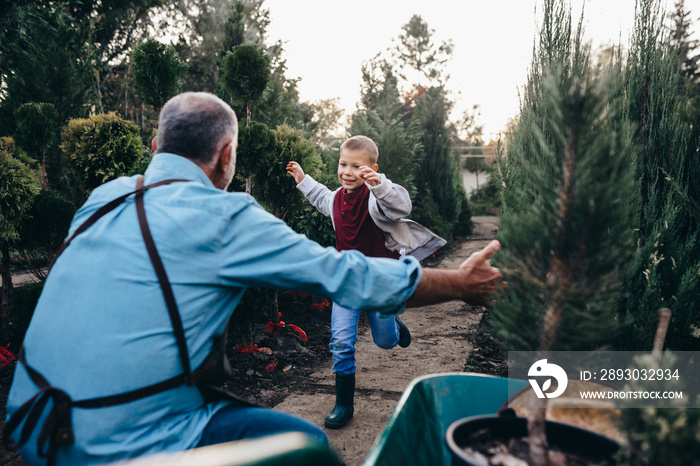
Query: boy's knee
x=343, y=348
x=385, y=343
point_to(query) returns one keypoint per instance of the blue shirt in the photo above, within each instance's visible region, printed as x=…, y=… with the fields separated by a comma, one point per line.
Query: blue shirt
x=101, y=326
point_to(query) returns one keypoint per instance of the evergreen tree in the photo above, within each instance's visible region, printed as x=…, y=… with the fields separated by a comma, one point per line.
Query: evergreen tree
x=417, y=51
x=272, y=182
x=664, y=268
x=36, y=131
x=380, y=90
x=256, y=143
x=683, y=45
x=397, y=152
x=45, y=58
x=99, y=149
x=436, y=165
x=568, y=216
x=18, y=187
x=245, y=74
x=234, y=30
x=43, y=231
x=157, y=70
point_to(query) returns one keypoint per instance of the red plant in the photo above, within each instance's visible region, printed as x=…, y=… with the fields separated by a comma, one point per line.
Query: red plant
x=253, y=349
x=271, y=367
x=7, y=357
x=322, y=306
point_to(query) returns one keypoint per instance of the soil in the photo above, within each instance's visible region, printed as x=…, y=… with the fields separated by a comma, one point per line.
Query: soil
x=295, y=376
x=516, y=452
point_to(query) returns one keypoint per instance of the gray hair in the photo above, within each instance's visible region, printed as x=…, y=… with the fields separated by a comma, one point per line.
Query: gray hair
x=193, y=124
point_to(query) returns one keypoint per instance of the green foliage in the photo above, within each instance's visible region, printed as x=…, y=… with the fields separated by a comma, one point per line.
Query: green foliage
x=141, y=165
x=435, y=169
x=488, y=198
x=566, y=224
x=416, y=50
x=665, y=266
x=18, y=188
x=24, y=299
x=157, y=72
x=256, y=143
x=426, y=212
x=43, y=230
x=8, y=145
x=99, y=149
x=273, y=185
x=245, y=72
x=380, y=90
x=464, y=225
x=45, y=58
x=36, y=127
x=256, y=302
x=397, y=153
x=234, y=30
x=313, y=223
x=668, y=436
x=36, y=131
x=662, y=436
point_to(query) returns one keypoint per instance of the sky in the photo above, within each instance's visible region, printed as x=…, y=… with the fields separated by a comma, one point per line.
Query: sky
x=326, y=42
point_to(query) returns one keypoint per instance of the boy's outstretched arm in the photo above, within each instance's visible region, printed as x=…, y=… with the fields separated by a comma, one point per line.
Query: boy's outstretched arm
x=473, y=282
x=295, y=170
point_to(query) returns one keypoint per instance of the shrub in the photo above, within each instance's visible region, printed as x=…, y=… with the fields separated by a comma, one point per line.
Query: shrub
x=99, y=149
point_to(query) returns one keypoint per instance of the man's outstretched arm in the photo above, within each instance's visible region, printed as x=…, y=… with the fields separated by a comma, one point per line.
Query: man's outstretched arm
x=472, y=282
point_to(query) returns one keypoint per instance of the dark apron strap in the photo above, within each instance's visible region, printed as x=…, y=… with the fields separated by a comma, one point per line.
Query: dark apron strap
x=165, y=287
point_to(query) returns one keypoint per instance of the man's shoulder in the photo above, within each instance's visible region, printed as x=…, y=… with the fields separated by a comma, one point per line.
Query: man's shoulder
x=179, y=194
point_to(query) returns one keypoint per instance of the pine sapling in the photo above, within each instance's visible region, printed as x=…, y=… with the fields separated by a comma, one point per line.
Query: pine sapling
x=563, y=256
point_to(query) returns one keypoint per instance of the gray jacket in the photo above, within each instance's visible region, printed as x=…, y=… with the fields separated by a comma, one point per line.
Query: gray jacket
x=389, y=203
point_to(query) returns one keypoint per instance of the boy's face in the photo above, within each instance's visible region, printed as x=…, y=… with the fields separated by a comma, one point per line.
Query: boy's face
x=349, y=168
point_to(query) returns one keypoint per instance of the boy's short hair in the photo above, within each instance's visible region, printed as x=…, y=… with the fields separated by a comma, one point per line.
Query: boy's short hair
x=363, y=144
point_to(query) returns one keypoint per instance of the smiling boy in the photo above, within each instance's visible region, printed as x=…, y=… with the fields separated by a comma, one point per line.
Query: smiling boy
x=368, y=213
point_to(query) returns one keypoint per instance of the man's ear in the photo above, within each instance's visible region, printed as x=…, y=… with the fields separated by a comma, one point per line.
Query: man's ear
x=375, y=167
x=225, y=157
x=154, y=144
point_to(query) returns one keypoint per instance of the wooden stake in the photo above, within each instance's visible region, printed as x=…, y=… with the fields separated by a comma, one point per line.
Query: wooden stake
x=661, y=329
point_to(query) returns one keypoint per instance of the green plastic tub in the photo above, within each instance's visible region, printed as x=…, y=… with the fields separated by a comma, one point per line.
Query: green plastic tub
x=415, y=432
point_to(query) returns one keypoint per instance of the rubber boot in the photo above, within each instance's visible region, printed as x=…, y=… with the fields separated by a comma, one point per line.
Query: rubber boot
x=404, y=334
x=344, y=395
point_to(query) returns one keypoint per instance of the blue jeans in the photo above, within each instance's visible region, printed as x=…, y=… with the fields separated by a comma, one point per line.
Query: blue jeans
x=385, y=333
x=237, y=423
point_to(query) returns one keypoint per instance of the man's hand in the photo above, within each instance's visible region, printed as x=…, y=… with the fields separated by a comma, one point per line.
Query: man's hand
x=295, y=170
x=473, y=282
x=481, y=278
x=371, y=177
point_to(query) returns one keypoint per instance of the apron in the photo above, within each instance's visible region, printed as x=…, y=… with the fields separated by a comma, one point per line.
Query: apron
x=57, y=429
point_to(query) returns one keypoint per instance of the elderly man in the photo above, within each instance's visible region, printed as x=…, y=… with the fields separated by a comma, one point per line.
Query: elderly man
x=117, y=359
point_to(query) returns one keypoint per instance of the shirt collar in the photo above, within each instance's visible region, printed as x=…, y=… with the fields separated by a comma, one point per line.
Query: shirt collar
x=164, y=166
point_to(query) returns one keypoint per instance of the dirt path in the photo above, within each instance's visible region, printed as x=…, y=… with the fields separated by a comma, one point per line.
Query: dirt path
x=440, y=344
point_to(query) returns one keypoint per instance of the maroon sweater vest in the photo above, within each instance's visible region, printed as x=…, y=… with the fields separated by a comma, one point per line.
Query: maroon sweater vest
x=354, y=227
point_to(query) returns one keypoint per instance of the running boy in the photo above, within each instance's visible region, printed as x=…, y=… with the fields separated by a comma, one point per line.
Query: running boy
x=368, y=213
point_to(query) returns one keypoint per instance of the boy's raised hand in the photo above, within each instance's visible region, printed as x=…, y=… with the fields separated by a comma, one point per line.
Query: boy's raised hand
x=370, y=176
x=295, y=170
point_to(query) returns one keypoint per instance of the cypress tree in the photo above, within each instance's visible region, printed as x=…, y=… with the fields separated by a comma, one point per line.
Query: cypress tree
x=436, y=165
x=157, y=70
x=664, y=271
x=36, y=131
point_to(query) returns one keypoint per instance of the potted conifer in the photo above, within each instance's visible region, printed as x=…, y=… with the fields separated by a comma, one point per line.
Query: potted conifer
x=566, y=225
